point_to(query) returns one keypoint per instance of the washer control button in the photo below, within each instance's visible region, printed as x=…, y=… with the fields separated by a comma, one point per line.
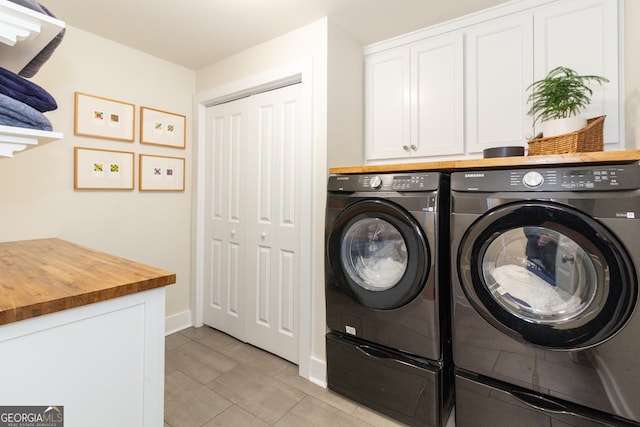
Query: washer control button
x=375, y=182
x=532, y=179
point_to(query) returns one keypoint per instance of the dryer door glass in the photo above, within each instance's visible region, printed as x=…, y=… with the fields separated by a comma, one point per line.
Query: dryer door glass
x=540, y=274
x=374, y=254
x=547, y=274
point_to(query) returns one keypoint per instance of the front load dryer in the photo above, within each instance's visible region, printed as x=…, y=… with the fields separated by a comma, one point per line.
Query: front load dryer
x=546, y=327
x=387, y=293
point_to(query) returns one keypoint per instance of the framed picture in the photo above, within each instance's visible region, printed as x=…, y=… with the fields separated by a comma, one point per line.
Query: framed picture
x=104, y=118
x=161, y=173
x=162, y=128
x=103, y=169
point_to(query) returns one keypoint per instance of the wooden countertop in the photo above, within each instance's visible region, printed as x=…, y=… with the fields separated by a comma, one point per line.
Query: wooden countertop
x=625, y=156
x=48, y=275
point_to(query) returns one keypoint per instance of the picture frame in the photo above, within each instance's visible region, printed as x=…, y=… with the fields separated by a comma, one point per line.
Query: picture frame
x=159, y=127
x=97, y=169
x=161, y=173
x=106, y=118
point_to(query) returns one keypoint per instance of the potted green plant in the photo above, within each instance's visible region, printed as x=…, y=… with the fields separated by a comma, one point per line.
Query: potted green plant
x=557, y=100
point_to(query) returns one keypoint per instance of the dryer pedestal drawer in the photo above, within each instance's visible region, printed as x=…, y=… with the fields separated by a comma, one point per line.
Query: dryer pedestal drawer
x=387, y=381
x=483, y=402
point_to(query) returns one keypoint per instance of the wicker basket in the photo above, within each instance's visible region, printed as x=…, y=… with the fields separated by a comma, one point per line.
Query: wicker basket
x=582, y=141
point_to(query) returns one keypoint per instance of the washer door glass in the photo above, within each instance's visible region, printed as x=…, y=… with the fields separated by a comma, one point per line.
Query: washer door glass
x=539, y=274
x=379, y=255
x=374, y=254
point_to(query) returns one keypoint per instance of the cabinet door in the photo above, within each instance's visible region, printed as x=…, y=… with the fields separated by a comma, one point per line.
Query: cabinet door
x=583, y=35
x=387, y=108
x=437, y=107
x=499, y=70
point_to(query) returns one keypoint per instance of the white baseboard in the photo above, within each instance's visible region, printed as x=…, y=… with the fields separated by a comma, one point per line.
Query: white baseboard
x=177, y=322
x=318, y=372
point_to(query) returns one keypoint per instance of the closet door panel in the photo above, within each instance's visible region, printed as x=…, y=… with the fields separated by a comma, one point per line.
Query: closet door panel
x=225, y=213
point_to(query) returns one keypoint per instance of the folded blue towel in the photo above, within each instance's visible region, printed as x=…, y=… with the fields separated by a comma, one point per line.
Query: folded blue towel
x=43, y=56
x=25, y=91
x=19, y=114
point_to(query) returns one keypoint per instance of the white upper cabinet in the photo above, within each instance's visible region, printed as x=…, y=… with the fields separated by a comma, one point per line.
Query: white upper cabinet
x=415, y=100
x=458, y=88
x=437, y=105
x=499, y=68
x=388, y=102
x=583, y=35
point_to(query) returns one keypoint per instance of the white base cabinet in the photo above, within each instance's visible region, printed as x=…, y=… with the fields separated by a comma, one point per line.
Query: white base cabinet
x=103, y=362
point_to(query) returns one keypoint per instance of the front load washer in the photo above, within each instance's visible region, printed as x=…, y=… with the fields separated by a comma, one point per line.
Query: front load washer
x=387, y=293
x=545, y=292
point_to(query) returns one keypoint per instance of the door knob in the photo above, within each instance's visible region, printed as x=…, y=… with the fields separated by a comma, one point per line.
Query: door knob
x=263, y=235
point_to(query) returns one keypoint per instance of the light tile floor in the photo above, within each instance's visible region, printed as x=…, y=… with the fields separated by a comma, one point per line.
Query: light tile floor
x=212, y=379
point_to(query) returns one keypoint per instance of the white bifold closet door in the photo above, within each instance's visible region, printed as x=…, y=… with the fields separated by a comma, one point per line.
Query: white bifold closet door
x=252, y=228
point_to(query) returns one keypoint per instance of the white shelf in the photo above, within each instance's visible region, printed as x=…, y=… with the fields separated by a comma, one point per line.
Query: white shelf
x=23, y=34
x=14, y=139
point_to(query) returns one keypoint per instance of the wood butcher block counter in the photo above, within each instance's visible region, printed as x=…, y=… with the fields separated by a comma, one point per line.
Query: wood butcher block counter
x=45, y=276
x=625, y=156
x=84, y=331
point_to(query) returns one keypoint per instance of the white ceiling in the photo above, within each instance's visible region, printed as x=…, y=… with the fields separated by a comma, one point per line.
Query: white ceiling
x=196, y=33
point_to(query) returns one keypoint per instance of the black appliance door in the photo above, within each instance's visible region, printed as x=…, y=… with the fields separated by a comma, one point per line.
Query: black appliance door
x=547, y=275
x=378, y=254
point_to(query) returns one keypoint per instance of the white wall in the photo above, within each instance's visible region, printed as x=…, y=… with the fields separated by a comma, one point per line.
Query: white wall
x=36, y=187
x=345, y=98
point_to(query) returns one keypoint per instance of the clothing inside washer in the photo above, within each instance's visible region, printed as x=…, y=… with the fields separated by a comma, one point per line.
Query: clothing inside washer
x=375, y=254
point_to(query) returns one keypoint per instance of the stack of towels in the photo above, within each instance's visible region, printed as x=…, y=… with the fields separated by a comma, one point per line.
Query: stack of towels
x=22, y=102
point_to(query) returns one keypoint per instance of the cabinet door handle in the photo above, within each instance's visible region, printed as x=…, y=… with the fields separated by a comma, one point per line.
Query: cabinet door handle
x=405, y=147
x=413, y=147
